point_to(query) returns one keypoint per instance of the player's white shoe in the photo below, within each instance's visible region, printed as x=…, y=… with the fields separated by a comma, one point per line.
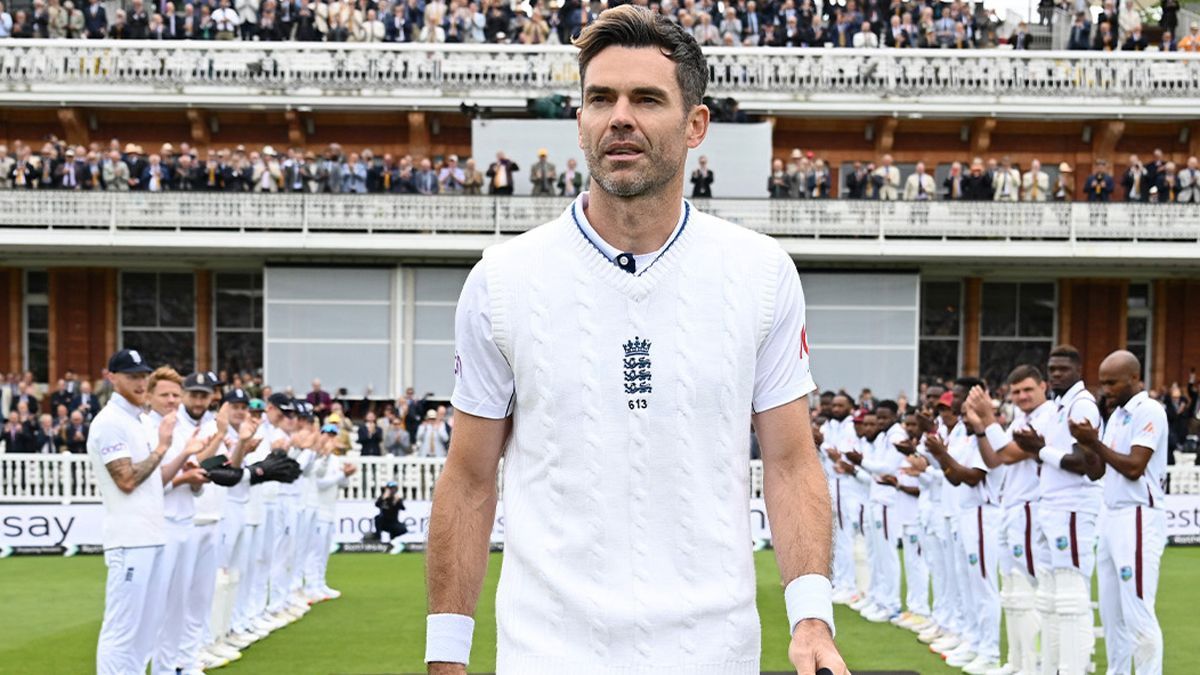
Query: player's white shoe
x=860, y=603
x=844, y=597
x=224, y=651
x=916, y=623
x=901, y=618
x=960, y=656
x=241, y=640
x=945, y=644
x=933, y=632
x=331, y=593
x=877, y=615
x=980, y=666
x=210, y=661
x=1006, y=669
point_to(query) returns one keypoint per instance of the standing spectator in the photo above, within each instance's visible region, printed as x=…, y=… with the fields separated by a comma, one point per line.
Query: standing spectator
x=60, y=396
x=1021, y=39
x=226, y=21
x=1035, y=184
x=473, y=178
x=1155, y=168
x=319, y=399
x=778, y=183
x=95, y=20
x=1136, y=181
x=266, y=174
x=570, y=183
x=396, y=440
x=138, y=21
x=1191, y=41
x=73, y=435
x=1006, y=182
x=1136, y=42
x=69, y=174
x=543, y=175
x=156, y=177
x=1081, y=32
x=1064, y=185
x=433, y=438
x=953, y=184
x=500, y=175
x=56, y=20
x=451, y=178
x=866, y=37
x=370, y=437
x=1168, y=184
x=1168, y=43
x=354, y=174
x=856, y=182
x=394, y=27
x=889, y=190
x=731, y=24
x=819, y=182
x=425, y=179
x=1099, y=185
x=920, y=186
x=1170, y=16
x=248, y=15
x=7, y=162
x=115, y=173
x=702, y=178
x=1189, y=182
x=85, y=402
x=40, y=435
x=977, y=185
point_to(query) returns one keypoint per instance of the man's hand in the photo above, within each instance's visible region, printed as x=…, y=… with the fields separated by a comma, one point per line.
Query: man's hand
x=855, y=457
x=935, y=445
x=844, y=467
x=833, y=454
x=925, y=422
x=1028, y=440
x=281, y=443
x=194, y=476
x=248, y=429
x=888, y=479
x=1084, y=432
x=223, y=419
x=195, y=444
x=166, y=429
x=812, y=648
x=906, y=447
x=349, y=469
x=818, y=437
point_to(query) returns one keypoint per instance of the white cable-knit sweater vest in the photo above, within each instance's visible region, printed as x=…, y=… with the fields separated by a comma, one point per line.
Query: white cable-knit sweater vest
x=626, y=497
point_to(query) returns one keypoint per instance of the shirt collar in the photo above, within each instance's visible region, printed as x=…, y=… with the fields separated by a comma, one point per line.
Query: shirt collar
x=1072, y=393
x=611, y=252
x=1135, y=401
x=124, y=405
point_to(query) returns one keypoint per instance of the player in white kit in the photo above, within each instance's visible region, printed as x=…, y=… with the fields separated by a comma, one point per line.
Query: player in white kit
x=883, y=462
x=1020, y=558
x=1069, y=501
x=916, y=616
x=837, y=435
x=126, y=460
x=615, y=356
x=328, y=477
x=1133, y=534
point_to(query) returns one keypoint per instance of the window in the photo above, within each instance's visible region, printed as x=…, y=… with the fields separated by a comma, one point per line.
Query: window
x=1137, y=325
x=37, y=324
x=941, y=330
x=1016, y=327
x=237, y=321
x=158, y=317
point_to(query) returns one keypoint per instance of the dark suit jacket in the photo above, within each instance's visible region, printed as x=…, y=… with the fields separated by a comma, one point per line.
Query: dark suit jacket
x=66, y=439
x=1080, y=37
x=31, y=400
x=701, y=185
x=93, y=402
x=371, y=443
x=96, y=25
x=1022, y=41
x=394, y=31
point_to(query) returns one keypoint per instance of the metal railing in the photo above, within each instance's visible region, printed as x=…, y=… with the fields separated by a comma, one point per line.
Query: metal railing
x=70, y=479
x=207, y=73
x=299, y=213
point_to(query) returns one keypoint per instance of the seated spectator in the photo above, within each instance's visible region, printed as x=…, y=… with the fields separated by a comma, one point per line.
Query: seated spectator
x=72, y=436
x=1191, y=41
x=1136, y=42
x=85, y=402
x=1106, y=39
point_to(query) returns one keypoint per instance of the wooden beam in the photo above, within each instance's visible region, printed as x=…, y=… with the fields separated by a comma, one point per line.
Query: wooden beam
x=1158, y=334
x=1104, y=141
x=74, y=126
x=204, y=316
x=11, y=291
x=885, y=135
x=297, y=137
x=1066, y=302
x=418, y=134
x=1193, y=143
x=972, y=311
x=198, y=121
x=981, y=135
x=111, y=339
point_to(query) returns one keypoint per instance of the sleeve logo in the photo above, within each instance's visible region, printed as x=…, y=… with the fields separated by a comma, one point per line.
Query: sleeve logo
x=804, y=341
x=111, y=449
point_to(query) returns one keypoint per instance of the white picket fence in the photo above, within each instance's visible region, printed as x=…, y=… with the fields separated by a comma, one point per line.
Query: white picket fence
x=70, y=479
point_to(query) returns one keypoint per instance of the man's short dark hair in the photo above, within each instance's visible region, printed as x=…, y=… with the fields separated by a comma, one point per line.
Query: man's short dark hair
x=632, y=26
x=968, y=383
x=888, y=404
x=1024, y=372
x=848, y=397
x=827, y=394
x=1067, y=352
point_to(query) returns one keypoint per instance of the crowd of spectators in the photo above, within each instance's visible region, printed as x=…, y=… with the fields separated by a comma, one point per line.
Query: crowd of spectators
x=778, y=23
x=804, y=176
x=46, y=422
x=61, y=166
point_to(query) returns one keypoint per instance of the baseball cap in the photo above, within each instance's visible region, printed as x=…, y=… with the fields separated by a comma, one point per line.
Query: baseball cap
x=198, y=382
x=257, y=405
x=859, y=415
x=947, y=399
x=128, y=361
x=283, y=402
x=214, y=379
x=304, y=409
x=391, y=484
x=237, y=396
x=329, y=429
x=430, y=414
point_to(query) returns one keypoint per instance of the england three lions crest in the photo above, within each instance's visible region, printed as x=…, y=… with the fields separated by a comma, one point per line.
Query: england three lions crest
x=637, y=366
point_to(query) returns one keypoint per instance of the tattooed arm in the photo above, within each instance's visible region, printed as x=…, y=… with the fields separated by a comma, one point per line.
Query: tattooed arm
x=128, y=475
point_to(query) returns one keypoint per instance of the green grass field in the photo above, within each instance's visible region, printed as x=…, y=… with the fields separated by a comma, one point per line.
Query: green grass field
x=51, y=610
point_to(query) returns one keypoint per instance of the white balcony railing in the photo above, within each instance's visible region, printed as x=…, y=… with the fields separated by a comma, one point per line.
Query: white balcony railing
x=68, y=479
x=26, y=212
x=828, y=81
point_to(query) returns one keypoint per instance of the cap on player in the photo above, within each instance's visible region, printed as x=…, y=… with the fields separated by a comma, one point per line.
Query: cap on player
x=330, y=429
x=214, y=379
x=283, y=402
x=257, y=405
x=128, y=361
x=198, y=382
x=237, y=395
x=947, y=400
x=391, y=484
x=304, y=409
x=859, y=415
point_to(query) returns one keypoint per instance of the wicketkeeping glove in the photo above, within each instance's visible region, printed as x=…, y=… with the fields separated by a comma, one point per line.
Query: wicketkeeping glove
x=275, y=467
x=226, y=476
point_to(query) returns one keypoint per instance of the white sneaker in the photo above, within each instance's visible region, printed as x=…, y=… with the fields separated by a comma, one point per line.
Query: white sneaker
x=946, y=644
x=224, y=651
x=280, y=619
x=843, y=597
x=1006, y=669
x=960, y=657
x=900, y=618
x=330, y=593
x=300, y=609
x=211, y=661
x=916, y=623
x=980, y=665
x=240, y=641
x=876, y=615
x=931, y=633
x=858, y=604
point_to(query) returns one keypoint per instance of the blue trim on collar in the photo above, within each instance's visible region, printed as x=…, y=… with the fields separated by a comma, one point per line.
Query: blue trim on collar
x=687, y=213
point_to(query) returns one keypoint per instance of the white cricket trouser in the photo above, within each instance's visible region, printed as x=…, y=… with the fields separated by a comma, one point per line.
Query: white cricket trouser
x=133, y=604
x=179, y=558
x=247, y=561
x=305, y=534
x=200, y=594
x=283, y=548
x=885, y=561
x=1131, y=548
x=956, y=561
x=845, y=520
x=1020, y=560
x=272, y=522
x=318, y=556
x=979, y=528
x=1019, y=552
x=916, y=570
x=233, y=525
x=933, y=545
x=1064, y=593
x=230, y=546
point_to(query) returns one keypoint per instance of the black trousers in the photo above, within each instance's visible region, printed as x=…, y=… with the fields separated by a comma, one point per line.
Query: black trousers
x=395, y=528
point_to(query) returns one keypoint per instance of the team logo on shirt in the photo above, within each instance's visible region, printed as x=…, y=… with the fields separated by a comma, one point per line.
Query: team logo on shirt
x=1018, y=551
x=1126, y=573
x=1149, y=428
x=803, y=341
x=973, y=559
x=637, y=366
x=912, y=538
x=1062, y=543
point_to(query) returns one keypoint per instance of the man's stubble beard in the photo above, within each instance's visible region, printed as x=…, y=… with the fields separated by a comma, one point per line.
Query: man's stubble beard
x=661, y=171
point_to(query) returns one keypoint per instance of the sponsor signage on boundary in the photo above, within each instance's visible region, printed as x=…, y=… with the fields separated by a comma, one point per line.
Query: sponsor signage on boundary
x=70, y=529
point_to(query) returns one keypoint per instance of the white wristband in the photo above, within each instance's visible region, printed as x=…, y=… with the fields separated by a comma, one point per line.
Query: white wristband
x=1052, y=456
x=809, y=597
x=448, y=638
x=995, y=436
